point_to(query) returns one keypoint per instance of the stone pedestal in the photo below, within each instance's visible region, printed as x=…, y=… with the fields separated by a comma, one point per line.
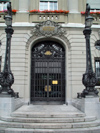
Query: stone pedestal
x=89, y=105
x=9, y=104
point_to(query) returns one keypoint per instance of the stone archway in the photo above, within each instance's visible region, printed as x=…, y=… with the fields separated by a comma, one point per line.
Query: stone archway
x=58, y=37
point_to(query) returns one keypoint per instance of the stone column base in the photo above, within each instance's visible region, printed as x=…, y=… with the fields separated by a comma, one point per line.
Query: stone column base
x=89, y=105
x=9, y=104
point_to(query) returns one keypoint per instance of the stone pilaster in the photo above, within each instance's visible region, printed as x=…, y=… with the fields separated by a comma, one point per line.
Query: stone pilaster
x=24, y=5
x=73, y=6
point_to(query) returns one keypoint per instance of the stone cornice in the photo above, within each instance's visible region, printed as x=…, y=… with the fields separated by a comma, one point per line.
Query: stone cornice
x=68, y=25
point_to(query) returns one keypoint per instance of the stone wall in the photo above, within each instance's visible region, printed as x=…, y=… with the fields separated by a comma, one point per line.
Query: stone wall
x=74, y=43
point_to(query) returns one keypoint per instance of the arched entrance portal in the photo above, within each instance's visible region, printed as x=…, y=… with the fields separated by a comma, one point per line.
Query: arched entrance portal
x=48, y=72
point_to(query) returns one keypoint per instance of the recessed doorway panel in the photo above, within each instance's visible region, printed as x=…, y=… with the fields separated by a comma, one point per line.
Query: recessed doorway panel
x=47, y=72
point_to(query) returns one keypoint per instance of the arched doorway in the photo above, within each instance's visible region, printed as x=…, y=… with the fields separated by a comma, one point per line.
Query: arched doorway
x=48, y=72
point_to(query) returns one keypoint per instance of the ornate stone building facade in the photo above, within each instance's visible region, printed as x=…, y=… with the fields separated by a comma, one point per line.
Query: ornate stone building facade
x=48, y=51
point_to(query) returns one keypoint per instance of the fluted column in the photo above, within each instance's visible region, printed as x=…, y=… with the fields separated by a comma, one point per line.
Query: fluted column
x=23, y=5
x=73, y=6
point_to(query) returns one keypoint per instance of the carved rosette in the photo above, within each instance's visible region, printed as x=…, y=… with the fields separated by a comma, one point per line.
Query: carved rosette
x=6, y=79
x=89, y=79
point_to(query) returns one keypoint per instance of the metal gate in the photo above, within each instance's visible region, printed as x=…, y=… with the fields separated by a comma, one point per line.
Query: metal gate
x=47, y=72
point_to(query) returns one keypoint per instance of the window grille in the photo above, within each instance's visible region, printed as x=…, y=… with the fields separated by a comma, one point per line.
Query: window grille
x=48, y=72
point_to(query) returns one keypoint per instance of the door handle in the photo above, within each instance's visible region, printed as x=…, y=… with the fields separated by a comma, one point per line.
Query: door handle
x=47, y=88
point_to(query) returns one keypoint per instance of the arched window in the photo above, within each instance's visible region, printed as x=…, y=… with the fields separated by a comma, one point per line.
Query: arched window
x=48, y=5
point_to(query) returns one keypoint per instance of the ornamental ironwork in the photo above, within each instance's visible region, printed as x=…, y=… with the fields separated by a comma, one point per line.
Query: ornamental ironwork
x=6, y=76
x=89, y=78
x=48, y=72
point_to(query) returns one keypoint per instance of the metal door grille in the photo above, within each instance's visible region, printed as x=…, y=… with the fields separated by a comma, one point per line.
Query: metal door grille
x=47, y=72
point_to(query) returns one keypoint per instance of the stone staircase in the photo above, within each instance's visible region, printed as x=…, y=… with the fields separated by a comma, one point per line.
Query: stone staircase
x=49, y=119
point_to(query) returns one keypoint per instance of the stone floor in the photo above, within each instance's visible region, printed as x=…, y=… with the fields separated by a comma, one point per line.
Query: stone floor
x=48, y=108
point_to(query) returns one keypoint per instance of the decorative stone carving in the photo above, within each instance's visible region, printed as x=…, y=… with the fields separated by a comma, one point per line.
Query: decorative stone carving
x=48, y=28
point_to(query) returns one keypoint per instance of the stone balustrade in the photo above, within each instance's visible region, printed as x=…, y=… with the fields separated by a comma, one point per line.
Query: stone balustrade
x=62, y=18
x=57, y=17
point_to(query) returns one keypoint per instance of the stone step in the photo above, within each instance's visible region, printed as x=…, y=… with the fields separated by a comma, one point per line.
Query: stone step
x=47, y=111
x=47, y=115
x=49, y=125
x=48, y=120
x=76, y=130
x=2, y=130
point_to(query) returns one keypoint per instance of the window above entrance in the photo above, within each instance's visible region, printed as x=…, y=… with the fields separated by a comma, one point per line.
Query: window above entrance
x=48, y=5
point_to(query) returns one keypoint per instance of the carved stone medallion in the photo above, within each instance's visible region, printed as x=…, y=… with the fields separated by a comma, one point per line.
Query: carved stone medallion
x=48, y=28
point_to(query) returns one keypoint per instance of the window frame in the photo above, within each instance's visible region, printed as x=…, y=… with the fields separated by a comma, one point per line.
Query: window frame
x=98, y=77
x=48, y=1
